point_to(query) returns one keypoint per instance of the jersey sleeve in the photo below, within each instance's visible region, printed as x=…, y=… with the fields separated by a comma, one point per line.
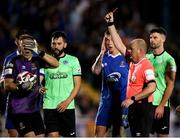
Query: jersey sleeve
x=149, y=72
x=3, y=70
x=9, y=69
x=172, y=65
x=76, y=67
x=6, y=62
x=42, y=72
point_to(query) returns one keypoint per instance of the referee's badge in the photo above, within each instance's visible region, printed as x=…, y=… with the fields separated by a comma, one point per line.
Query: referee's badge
x=133, y=78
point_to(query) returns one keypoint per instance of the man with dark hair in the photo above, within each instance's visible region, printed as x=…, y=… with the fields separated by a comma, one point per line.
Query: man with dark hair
x=63, y=84
x=165, y=72
x=8, y=123
x=159, y=30
x=22, y=78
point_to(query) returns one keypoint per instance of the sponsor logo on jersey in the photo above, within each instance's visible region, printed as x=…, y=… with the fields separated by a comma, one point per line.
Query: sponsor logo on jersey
x=9, y=65
x=58, y=75
x=8, y=71
x=113, y=77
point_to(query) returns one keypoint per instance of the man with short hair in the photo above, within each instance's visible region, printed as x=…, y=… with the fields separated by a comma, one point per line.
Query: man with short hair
x=25, y=98
x=141, y=82
x=63, y=84
x=8, y=123
x=165, y=72
x=114, y=68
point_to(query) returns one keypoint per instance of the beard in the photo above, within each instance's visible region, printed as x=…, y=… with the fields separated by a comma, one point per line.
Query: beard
x=153, y=47
x=57, y=52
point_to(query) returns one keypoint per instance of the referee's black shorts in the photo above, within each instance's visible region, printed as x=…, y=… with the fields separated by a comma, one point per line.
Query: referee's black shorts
x=140, y=116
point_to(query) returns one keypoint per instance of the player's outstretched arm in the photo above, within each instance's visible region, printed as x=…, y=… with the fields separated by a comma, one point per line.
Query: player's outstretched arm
x=52, y=62
x=115, y=36
x=32, y=45
x=97, y=66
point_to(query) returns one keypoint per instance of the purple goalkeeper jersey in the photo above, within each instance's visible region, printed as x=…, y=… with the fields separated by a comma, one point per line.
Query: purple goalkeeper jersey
x=22, y=101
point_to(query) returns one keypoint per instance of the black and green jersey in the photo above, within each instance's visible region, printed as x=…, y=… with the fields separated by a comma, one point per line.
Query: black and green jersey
x=161, y=63
x=60, y=82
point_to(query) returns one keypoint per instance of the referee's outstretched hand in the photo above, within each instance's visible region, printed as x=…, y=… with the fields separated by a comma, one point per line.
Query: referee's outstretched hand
x=109, y=17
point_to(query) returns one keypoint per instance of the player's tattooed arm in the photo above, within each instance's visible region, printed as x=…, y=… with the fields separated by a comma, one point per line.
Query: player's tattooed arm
x=97, y=66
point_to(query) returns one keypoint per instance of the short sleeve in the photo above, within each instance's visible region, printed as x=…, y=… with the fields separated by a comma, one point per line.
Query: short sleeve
x=149, y=72
x=172, y=65
x=8, y=69
x=76, y=67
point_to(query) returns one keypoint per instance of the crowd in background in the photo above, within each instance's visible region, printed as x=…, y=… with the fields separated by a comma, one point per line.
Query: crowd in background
x=83, y=21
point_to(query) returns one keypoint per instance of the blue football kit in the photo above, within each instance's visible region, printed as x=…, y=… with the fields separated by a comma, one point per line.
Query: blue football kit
x=113, y=92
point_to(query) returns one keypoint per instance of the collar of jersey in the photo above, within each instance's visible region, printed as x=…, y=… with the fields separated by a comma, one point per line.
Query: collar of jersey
x=119, y=54
x=159, y=54
x=58, y=58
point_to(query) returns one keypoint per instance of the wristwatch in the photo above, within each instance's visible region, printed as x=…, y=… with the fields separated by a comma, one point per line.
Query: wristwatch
x=133, y=98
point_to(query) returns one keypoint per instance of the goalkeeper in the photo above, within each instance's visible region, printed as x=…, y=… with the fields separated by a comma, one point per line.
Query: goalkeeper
x=25, y=100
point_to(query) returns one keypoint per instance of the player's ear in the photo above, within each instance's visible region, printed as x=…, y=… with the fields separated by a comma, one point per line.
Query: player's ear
x=65, y=44
x=16, y=41
x=163, y=38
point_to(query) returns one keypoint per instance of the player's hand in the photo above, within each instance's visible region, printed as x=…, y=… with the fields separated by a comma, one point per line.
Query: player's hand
x=178, y=110
x=30, y=45
x=42, y=90
x=109, y=17
x=63, y=105
x=159, y=112
x=126, y=103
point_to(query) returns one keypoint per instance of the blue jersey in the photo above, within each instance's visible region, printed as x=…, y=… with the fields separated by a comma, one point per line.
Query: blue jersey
x=114, y=85
x=21, y=101
x=115, y=76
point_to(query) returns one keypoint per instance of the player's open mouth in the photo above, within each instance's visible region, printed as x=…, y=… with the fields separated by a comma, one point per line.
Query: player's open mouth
x=109, y=47
x=27, y=51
